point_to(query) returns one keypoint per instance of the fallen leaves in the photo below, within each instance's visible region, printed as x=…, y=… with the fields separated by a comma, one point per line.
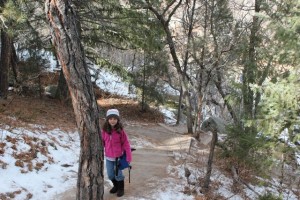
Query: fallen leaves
x=27, y=160
x=2, y=145
x=19, y=163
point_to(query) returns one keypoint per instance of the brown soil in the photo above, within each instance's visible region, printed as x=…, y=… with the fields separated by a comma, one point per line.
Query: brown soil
x=51, y=113
x=47, y=112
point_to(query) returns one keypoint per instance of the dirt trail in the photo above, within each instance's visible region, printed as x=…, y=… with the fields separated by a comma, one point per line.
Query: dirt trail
x=149, y=162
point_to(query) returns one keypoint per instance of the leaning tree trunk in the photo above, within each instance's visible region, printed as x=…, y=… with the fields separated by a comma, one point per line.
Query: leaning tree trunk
x=66, y=39
x=182, y=76
x=214, y=125
x=171, y=43
x=5, y=63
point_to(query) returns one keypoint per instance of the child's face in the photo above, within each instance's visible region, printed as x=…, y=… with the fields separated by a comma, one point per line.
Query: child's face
x=112, y=121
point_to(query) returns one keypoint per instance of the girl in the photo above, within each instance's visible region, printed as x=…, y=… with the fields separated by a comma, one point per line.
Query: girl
x=115, y=142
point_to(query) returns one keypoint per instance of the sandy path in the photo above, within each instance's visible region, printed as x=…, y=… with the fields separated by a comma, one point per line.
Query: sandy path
x=149, y=163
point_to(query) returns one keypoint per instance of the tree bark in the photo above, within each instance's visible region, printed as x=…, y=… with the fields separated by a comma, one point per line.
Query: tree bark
x=185, y=64
x=66, y=39
x=14, y=62
x=201, y=86
x=210, y=159
x=229, y=107
x=5, y=63
x=250, y=68
x=215, y=125
x=179, y=110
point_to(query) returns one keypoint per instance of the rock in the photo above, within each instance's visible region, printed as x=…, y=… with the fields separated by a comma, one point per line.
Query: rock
x=214, y=124
x=50, y=91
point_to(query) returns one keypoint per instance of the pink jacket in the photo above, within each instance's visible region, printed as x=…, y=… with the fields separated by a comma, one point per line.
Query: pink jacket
x=115, y=144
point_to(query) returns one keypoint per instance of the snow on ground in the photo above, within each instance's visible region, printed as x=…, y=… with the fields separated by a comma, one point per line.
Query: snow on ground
x=170, y=117
x=140, y=143
x=111, y=83
x=37, y=164
x=221, y=184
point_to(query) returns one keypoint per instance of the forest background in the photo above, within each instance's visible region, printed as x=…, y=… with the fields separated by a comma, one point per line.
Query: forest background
x=235, y=60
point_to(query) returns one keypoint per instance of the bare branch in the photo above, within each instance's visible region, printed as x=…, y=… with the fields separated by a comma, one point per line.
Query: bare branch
x=173, y=11
x=168, y=6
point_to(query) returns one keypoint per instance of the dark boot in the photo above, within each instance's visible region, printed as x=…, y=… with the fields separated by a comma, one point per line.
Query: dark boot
x=120, y=188
x=115, y=188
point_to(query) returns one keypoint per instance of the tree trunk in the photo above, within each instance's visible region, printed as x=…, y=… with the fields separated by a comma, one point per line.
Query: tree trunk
x=180, y=107
x=185, y=64
x=198, y=117
x=189, y=118
x=201, y=87
x=5, y=63
x=62, y=92
x=182, y=76
x=210, y=159
x=14, y=62
x=66, y=39
x=250, y=69
x=229, y=107
x=144, y=83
